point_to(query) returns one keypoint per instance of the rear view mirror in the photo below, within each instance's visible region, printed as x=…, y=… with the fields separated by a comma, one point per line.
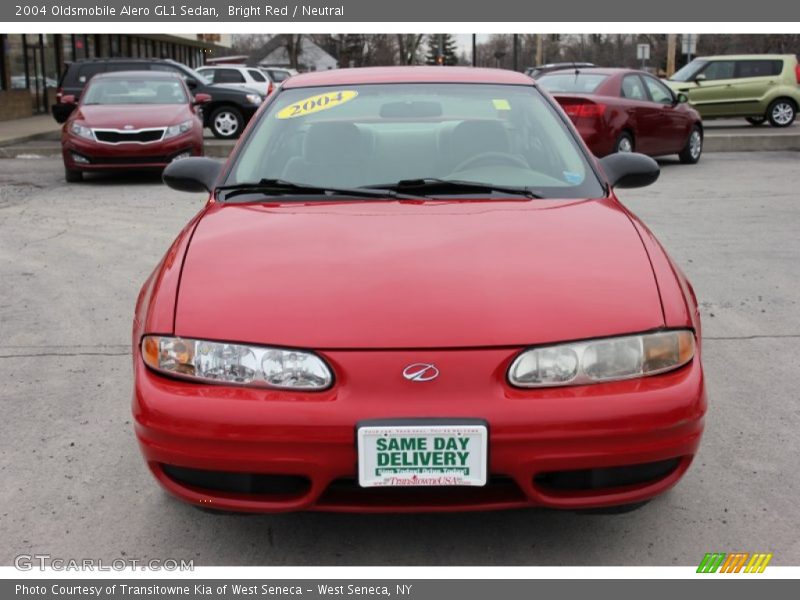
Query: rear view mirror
x=193, y=174
x=682, y=97
x=699, y=77
x=630, y=169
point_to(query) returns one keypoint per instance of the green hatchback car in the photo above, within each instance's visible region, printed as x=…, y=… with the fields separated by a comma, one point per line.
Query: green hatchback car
x=758, y=87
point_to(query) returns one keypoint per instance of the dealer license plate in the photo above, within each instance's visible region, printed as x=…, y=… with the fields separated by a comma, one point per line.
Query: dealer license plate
x=422, y=455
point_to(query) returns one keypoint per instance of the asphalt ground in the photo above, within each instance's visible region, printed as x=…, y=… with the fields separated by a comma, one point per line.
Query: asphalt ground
x=72, y=259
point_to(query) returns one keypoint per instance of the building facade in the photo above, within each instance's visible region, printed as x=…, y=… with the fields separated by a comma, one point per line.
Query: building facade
x=31, y=64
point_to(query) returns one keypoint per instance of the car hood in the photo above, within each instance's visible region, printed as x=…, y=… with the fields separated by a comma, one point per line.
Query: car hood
x=137, y=116
x=415, y=275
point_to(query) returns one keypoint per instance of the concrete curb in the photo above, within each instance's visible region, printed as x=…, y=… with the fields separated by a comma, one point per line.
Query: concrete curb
x=41, y=147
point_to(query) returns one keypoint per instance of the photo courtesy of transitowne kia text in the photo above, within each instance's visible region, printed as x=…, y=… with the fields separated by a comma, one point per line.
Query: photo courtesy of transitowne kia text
x=245, y=11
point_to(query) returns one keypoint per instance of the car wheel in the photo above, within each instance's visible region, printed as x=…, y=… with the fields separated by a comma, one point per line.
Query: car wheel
x=756, y=121
x=781, y=112
x=624, y=143
x=614, y=510
x=226, y=122
x=73, y=175
x=694, y=147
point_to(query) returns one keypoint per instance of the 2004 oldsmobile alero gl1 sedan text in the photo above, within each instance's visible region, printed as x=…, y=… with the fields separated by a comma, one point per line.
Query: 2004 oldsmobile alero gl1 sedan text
x=413, y=289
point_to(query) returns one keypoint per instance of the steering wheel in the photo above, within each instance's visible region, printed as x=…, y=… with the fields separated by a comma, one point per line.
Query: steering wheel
x=490, y=159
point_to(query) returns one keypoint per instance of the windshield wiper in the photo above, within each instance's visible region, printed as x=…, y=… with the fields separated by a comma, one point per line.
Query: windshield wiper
x=281, y=187
x=432, y=186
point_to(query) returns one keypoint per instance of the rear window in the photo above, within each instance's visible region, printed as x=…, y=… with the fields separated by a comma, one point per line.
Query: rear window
x=257, y=75
x=279, y=75
x=571, y=82
x=228, y=76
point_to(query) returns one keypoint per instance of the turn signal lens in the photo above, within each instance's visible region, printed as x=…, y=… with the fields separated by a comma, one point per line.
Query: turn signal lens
x=609, y=359
x=238, y=364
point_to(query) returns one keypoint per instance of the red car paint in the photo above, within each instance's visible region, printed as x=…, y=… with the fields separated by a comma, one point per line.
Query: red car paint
x=601, y=117
x=131, y=117
x=476, y=283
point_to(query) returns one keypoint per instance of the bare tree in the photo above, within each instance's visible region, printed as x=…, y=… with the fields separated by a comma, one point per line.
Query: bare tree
x=408, y=47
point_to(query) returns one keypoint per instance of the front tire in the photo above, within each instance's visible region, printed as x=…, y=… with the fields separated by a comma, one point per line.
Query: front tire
x=73, y=175
x=624, y=143
x=694, y=147
x=226, y=122
x=782, y=112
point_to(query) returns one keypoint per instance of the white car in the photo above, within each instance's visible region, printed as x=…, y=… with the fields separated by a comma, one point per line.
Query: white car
x=278, y=74
x=249, y=78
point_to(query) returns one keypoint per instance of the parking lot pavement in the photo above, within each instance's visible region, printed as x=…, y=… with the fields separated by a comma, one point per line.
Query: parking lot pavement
x=72, y=258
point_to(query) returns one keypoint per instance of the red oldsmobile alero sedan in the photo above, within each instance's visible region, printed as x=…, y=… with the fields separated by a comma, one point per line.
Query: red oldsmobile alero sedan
x=414, y=289
x=131, y=119
x=622, y=110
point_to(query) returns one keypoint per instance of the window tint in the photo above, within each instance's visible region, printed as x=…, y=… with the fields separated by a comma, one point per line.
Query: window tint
x=228, y=76
x=581, y=83
x=86, y=72
x=720, y=69
x=758, y=68
x=257, y=75
x=632, y=88
x=658, y=91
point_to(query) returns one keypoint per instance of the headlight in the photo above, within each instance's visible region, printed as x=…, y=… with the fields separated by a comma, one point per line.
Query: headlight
x=81, y=131
x=596, y=361
x=174, y=130
x=238, y=364
x=254, y=98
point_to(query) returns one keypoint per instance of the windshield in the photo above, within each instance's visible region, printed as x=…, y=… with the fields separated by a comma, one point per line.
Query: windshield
x=572, y=82
x=378, y=135
x=689, y=71
x=135, y=91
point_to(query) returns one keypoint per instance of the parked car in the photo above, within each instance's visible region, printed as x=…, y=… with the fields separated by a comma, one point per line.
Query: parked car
x=540, y=70
x=246, y=78
x=414, y=289
x=278, y=74
x=131, y=119
x=758, y=87
x=226, y=114
x=622, y=110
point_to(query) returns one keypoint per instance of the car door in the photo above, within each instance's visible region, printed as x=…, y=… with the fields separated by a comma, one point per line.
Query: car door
x=673, y=124
x=259, y=81
x=754, y=78
x=644, y=113
x=713, y=88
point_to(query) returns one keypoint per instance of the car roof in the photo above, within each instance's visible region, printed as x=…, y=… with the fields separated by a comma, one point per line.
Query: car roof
x=596, y=71
x=746, y=56
x=420, y=74
x=135, y=74
x=205, y=67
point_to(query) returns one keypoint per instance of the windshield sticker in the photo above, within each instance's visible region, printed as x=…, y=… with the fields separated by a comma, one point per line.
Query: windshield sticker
x=573, y=178
x=501, y=104
x=317, y=103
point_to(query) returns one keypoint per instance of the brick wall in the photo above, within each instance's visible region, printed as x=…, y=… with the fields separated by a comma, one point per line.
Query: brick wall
x=15, y=104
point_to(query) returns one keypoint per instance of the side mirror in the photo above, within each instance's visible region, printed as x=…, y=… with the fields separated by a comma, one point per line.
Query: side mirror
x=68, y=99
x=192, y=174
x=630, y=169
x=681, y=97
x=201, y=98
x=191, y=83
x=699, y=77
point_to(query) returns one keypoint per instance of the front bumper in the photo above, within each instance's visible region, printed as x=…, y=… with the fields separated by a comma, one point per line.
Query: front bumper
x=100, y=156
x=296, y=451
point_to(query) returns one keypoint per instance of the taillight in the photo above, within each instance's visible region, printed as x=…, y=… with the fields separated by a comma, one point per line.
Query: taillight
x=797, y=73
x=270, y=87
x=587, y=109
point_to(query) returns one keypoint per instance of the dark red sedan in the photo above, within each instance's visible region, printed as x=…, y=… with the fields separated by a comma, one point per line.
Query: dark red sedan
x=414, y=289
x=132, y=119
x=622, y=110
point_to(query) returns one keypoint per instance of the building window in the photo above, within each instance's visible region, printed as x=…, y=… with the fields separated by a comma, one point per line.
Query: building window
x=15, y=51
